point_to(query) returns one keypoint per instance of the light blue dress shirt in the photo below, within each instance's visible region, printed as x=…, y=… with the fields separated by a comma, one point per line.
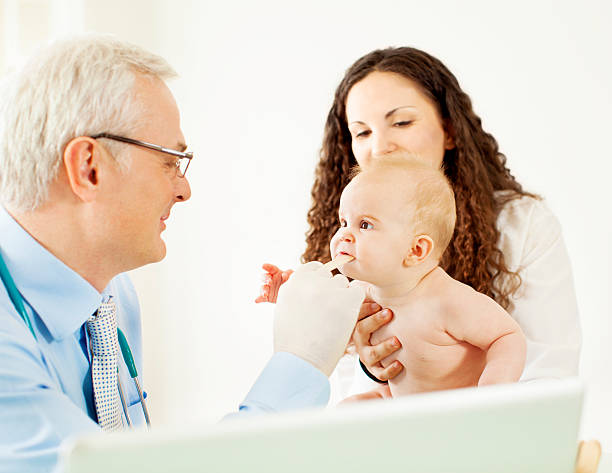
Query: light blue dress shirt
x=45, y=384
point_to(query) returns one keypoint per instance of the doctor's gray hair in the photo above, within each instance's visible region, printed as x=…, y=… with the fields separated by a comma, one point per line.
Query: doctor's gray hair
x=75, y=87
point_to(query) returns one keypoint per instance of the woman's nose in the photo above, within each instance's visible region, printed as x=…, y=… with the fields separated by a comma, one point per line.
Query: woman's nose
x=382, y=145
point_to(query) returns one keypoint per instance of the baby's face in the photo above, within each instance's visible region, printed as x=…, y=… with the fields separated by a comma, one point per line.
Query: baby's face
x=374, y=228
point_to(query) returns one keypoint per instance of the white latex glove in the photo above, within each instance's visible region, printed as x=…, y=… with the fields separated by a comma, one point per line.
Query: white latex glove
x=315, y=315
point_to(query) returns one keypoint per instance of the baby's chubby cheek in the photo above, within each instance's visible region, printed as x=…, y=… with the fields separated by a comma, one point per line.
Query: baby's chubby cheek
x=333, y=244
x=349, y=271
x=359, y=268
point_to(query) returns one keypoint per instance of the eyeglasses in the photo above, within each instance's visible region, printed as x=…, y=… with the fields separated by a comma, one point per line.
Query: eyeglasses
x=181, y=164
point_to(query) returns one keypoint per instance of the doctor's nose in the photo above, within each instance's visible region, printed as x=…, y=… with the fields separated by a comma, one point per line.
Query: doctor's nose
x=382, y=145
x=183, y=189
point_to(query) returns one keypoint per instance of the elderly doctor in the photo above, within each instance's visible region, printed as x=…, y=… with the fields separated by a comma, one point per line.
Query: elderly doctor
x=92, y=160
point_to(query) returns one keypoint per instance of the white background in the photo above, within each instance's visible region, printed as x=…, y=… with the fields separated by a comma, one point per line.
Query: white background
x=257, y=80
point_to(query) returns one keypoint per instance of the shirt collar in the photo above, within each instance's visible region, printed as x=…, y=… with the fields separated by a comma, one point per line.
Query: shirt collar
x=61, y=297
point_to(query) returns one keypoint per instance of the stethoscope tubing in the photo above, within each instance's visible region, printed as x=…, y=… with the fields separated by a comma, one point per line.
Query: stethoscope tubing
x=123, y=403
x=126, y=352
x=14, y=295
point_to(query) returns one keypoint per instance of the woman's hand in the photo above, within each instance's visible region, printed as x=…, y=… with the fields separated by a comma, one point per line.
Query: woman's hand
x=272, y=281
x=371, y=318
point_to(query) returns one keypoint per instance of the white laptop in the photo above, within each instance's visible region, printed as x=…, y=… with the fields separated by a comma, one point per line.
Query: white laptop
x=518, y=428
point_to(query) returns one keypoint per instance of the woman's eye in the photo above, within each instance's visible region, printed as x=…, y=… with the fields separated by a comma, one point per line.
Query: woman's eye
x=362, y=134
x=366, y=225
x=403, y=123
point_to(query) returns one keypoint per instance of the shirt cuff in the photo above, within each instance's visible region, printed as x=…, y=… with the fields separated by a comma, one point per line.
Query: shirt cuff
x=287, y=382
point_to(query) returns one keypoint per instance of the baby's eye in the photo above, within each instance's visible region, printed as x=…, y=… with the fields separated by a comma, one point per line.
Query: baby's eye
x=365, y=225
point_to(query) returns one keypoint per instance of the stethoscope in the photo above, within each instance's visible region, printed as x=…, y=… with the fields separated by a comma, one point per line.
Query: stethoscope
x=17, y=301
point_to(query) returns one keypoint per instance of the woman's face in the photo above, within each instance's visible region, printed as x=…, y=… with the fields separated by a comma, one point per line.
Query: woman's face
x=388, y=114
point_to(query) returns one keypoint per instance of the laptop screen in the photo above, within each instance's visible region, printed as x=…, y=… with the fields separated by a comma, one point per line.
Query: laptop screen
x=523, y=427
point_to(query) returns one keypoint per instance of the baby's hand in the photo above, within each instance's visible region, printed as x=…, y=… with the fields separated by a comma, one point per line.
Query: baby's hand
x=272, y=281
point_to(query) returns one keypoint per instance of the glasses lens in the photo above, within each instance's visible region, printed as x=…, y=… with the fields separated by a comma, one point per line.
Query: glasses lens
x=183, y=165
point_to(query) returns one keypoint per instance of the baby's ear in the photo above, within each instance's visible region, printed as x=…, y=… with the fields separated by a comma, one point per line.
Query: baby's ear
x=422, y=246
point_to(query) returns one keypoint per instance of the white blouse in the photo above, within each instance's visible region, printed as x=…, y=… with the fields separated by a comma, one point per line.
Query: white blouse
x=544, y=305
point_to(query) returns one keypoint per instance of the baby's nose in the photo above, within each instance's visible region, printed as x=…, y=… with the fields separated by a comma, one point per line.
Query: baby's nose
x=348, y=236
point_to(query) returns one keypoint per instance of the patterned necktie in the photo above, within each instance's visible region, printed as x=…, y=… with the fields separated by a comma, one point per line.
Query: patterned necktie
x=102, y=327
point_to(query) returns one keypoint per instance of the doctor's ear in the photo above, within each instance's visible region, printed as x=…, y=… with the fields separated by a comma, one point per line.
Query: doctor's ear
x=82, y=162
x=422, y=246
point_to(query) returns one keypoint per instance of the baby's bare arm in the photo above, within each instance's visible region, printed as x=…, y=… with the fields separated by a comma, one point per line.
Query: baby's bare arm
x=382, y=392
x=480, y=321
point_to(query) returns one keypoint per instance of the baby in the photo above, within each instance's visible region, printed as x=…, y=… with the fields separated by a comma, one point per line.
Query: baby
x=396, y=219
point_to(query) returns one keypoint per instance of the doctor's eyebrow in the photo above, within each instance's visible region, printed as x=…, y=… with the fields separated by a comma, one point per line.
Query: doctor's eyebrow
x=387, y=115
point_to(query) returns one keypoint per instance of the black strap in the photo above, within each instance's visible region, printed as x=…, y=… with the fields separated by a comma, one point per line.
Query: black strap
x=370, y=375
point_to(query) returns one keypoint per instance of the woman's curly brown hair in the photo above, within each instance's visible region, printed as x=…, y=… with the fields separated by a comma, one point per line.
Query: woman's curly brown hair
x=475, y=168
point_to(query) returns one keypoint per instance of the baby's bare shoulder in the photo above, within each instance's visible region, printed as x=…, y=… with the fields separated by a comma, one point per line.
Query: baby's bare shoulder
x=443, y=287
x=454, y=296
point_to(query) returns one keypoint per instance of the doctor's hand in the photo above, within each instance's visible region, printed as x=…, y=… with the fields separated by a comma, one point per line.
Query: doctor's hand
x=371, y=318
x=315, y=315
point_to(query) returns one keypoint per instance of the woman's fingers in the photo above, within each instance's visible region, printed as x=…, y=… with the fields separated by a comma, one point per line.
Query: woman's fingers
x=368, y=325
x=372, y=355
x=368, y=308
x=391, y=371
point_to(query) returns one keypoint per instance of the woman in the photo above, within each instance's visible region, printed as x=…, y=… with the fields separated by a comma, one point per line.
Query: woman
x=507, y=244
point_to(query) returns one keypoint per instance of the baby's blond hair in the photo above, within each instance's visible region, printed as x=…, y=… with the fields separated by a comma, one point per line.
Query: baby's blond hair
x=427, y=191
